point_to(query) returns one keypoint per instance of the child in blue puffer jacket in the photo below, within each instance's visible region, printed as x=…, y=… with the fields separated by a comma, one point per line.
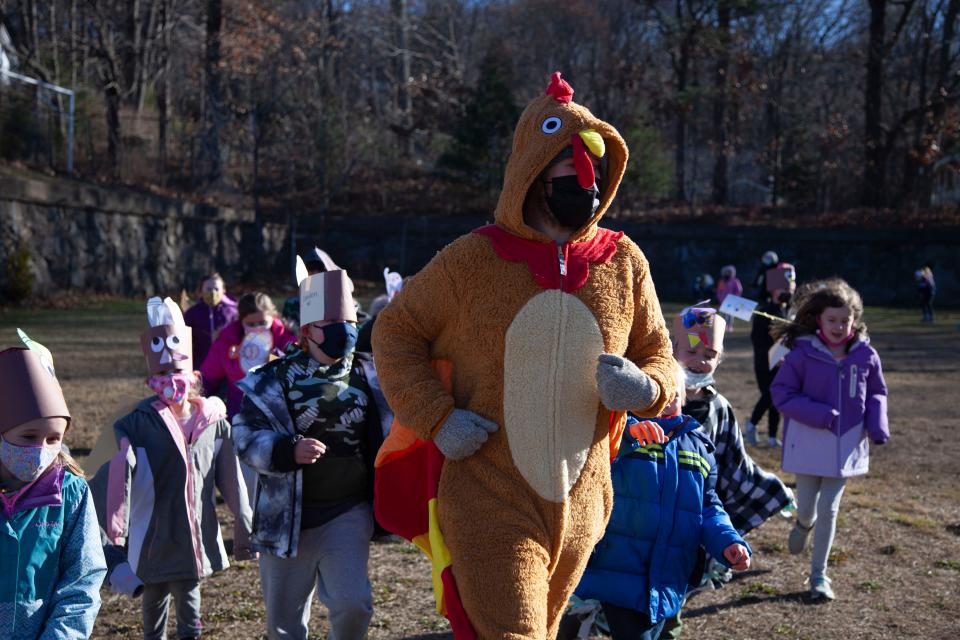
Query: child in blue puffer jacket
x=665, y=507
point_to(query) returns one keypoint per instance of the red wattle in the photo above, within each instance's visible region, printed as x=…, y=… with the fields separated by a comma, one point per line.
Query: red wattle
x=582, y=163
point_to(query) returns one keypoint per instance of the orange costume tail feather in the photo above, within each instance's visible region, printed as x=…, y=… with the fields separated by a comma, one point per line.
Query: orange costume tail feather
x=405, y=502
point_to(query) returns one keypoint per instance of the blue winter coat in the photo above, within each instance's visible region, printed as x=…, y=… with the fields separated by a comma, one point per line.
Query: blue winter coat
x=51, y=561
x=664, y=508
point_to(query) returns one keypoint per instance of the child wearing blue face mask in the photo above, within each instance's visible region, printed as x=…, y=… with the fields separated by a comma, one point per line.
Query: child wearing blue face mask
x=51, y=561
x=310, y=428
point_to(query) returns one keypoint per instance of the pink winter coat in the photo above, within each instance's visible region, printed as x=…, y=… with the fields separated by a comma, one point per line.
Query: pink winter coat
x=727, y=287
x=222, y=363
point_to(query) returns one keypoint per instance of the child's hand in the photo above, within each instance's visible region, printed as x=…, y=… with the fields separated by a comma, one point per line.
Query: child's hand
x=647, y=432
x=308, y=450
x=737, y=556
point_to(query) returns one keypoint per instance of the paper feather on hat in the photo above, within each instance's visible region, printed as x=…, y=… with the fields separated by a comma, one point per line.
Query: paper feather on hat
x=394, y=282
x=699, y=324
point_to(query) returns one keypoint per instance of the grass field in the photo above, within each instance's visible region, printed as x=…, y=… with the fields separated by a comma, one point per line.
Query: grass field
x=896, y=559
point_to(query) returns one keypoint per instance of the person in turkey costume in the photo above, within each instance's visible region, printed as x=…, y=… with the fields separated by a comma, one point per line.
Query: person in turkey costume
x=510, y=361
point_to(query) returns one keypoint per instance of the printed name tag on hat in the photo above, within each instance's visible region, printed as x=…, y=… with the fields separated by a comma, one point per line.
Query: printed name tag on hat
x=738, y=307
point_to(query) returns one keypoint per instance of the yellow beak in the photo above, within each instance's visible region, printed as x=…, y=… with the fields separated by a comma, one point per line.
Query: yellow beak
x=593, y=141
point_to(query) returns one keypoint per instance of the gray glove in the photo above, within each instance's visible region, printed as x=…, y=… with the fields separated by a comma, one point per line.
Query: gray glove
x=124, y=580
x=623, y=386
x=462, y=434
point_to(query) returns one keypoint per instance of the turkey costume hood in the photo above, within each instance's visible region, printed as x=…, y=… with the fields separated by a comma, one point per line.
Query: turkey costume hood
x=508, y=324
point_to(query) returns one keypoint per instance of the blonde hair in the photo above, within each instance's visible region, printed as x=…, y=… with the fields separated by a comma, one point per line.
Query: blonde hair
x=67, y=462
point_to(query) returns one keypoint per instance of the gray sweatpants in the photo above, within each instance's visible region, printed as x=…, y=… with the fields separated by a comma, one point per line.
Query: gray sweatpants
x=156, y=602
x=818, y=501
x=331, y=560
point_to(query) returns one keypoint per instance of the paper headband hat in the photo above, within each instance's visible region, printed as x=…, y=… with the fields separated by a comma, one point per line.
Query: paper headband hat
x=698, y=324
x=781, y=277
x=168, y=343
x=28, y=386
x=325, y=296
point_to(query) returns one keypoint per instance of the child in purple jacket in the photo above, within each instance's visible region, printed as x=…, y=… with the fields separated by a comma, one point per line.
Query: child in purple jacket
x=831, y=390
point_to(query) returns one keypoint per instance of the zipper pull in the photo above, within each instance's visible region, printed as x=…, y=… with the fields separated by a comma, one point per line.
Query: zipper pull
x=563, y=264
x=853, y=381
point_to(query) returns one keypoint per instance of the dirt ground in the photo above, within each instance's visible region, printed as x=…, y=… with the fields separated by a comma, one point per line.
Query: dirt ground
x=896, y=559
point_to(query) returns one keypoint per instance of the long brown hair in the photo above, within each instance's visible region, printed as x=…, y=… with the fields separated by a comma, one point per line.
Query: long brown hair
x=810, y=300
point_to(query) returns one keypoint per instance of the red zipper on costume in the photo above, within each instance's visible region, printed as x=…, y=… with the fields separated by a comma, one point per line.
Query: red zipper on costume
x=563, y=264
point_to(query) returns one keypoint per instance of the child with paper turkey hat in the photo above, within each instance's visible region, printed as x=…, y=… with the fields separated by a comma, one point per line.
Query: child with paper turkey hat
x=51, y=560
x=156, y=497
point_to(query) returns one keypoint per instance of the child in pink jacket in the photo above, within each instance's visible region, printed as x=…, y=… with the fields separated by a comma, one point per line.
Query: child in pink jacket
x=225, y=364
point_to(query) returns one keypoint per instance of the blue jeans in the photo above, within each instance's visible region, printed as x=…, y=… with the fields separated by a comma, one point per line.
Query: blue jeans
x=630, y=624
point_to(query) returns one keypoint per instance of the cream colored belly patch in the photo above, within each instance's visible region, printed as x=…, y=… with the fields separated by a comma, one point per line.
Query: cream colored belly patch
x=550, y=398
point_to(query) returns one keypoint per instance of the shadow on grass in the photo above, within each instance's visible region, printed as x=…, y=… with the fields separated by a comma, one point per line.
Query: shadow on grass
x=800, y=597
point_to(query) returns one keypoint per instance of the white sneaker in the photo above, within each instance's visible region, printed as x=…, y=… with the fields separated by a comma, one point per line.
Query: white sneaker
x=820, y=588
x=751, y=434
x=774, y=442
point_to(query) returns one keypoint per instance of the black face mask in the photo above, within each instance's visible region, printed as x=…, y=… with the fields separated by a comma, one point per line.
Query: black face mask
x=571, y=204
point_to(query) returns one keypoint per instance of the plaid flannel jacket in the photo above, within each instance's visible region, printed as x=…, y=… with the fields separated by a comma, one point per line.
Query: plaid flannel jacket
x=749, y=494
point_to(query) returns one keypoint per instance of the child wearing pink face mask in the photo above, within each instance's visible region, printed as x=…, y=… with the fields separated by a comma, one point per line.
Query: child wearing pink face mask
x=223, y=365
x=156, y=497
x=831, y=390
x=51, y=561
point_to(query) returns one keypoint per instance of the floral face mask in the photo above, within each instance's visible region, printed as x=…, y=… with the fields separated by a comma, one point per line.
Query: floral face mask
x=29, y=462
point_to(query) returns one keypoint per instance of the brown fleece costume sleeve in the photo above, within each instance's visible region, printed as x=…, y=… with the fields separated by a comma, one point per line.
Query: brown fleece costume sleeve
x=649, y=347
x=402, y=338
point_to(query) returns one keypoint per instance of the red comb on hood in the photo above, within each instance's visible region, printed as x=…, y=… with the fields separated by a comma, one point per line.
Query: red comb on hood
x=559, y=88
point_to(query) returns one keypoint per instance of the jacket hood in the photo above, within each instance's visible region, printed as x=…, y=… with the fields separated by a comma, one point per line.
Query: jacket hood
x=813, y=343
x=548, y=125
x=212, y=409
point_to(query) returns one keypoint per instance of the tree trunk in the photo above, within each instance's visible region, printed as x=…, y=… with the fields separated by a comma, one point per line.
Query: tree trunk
x=404, y=102
x=210, y=170
x=112, y=95
x=129, y=48
x=680, y=132
x=875, y=161
x=255, y=186
x=163, y=90
x=720, y=104
x=74, y=43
